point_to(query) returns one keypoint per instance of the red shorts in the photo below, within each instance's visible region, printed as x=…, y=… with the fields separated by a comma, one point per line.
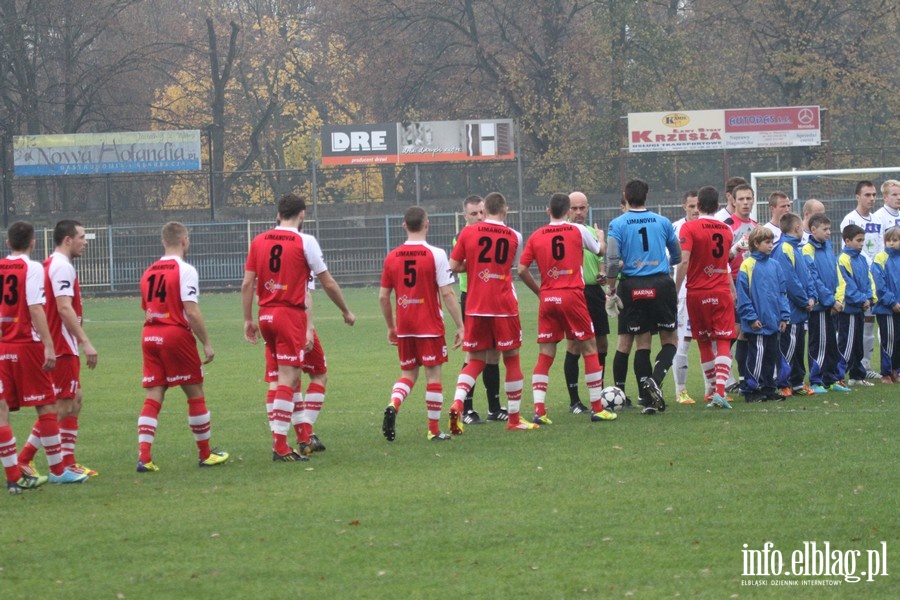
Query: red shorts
x=563, y=313
x=284, y=330
x=313, y=361
x=489, y=333
x=170, y=356
x=23, y=380
x=66, y=376
x=421, y=351
x=712, y=314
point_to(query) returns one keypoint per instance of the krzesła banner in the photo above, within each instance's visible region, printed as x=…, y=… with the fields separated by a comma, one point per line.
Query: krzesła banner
x=724, y=129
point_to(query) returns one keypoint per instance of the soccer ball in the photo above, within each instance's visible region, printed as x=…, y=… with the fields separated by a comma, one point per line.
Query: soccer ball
x=613, y=398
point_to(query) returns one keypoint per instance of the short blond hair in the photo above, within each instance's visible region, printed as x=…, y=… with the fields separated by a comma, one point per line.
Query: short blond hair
x=892, y=234
x=172, y=234
x=759, y=235
x=889, y=184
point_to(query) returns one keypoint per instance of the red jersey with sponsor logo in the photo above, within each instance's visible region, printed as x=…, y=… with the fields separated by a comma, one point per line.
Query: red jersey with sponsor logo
x=739, y=229
x=709, y=241
x=416, y=271
x=60, y=280
x=165, y=286
x=489, y=250
x=21, y=286
x=284, y=260
x=558, y=250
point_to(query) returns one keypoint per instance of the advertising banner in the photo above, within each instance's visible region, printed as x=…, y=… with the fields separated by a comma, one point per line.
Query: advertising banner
x=97, y=153
x=724, y=129
x=772, y=127
x=688, y=130
x=418, y=142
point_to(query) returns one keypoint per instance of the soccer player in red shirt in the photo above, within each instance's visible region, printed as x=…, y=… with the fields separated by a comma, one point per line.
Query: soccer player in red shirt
x=172, y=318
x=557, y=249
x=741, y=225
x=487, y=251
x=64, y=318
x=419, y=277
x=705, y=244
x=27, y=355
x=278, y=268
x=306, y=407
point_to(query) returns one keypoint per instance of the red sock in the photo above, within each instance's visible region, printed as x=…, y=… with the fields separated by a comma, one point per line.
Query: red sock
x=147, y=424
x=8, y=454
x=270, y=400
x=198, y=419
x=297, y=415
x=723, y=365
x=464, y=383
x=539, y=381
x=315, y=398
x=31, y=446
x=593, y=377
x=402, y=388
x=49, y=428
x=281, y=418
x=303, y=431
x=434, y=401
x=515, y=380
x=68, y=436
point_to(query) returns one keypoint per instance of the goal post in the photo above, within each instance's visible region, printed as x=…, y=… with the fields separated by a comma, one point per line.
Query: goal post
x=834, y=187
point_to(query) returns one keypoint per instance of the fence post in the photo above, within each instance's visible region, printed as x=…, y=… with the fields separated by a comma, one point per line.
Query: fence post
x=519, y=176
x=315, y=182
x=109, y=246
x=418, y=187
x=109, y=218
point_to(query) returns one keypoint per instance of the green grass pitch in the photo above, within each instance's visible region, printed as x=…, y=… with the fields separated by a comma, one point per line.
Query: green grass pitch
x=643, y=507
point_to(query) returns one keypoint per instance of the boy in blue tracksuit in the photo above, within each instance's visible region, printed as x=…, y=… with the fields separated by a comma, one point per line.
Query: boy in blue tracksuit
x=801, y=299
x=764, y=313
x=856, y=290
x=886, y=275
x=824, y=357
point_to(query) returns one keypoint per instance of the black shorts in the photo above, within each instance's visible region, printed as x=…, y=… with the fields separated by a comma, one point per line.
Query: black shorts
x=596, y=304
x=649, y=304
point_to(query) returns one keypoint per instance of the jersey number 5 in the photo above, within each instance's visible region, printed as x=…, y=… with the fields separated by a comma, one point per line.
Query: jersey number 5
x=409, y=273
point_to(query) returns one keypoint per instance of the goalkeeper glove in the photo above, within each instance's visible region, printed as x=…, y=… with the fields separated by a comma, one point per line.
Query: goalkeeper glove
x=613, y=305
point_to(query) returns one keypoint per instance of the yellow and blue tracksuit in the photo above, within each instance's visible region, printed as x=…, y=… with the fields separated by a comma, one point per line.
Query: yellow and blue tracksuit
x=823, y=349
x=761, y=293
x=855, y=287
x=886, y=276
x=792, y=368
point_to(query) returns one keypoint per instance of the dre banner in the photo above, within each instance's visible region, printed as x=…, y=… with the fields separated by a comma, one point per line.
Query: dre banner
x=417, y=141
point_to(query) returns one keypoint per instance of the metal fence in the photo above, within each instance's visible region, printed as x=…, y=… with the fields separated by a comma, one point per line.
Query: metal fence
x=354, y=246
